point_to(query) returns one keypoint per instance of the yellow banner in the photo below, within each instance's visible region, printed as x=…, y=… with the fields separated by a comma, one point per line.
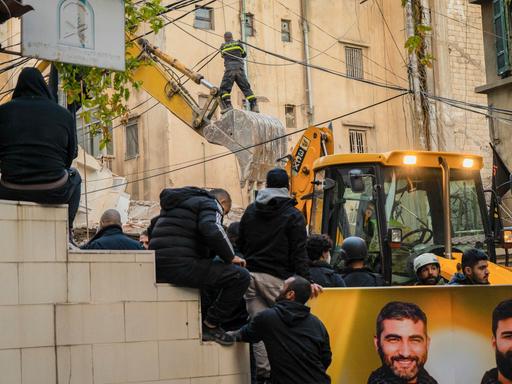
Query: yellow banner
x=455, y=346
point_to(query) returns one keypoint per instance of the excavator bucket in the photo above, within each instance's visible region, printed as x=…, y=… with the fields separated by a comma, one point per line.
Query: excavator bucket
x=257, y=140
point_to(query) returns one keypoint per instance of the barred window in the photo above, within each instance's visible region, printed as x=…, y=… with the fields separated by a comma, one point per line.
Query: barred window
x=357, y=141
x=354, y=62
x=89, y=137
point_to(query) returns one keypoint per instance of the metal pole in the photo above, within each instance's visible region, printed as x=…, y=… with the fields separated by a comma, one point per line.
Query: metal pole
x=446, y=208
x=243, y=39
x=414, y=78
x=309, y=83
x=85, y=167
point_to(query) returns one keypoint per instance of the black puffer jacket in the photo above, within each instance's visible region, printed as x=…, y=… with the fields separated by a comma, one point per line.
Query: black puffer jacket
x=273, y=235
x=323, y=273
x=113, y=238
x=188, y=228
x=490, y=377
x=37, y=136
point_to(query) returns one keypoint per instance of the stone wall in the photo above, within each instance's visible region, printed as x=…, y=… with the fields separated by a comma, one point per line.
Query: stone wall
x=96, y=317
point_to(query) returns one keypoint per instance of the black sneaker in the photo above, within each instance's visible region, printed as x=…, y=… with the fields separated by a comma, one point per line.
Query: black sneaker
x=218, y=335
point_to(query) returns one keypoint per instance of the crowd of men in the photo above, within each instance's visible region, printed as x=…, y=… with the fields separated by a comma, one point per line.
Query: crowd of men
x=255, y=278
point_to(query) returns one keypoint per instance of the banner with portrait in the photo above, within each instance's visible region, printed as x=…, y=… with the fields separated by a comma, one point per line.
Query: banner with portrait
x=438, y=334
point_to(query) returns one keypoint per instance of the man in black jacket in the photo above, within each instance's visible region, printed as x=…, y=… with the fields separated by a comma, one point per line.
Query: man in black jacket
x=273, y=242
x=296, y=341
x=475, y=269
x=37, y=146
x=356, y=274
x=192, y=250
x=319, y=247
x=110, y=235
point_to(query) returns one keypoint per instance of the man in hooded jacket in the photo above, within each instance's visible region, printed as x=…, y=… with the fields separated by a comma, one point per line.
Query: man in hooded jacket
x=37, y=146
x=273, y=241
x=193, y=250
x=297, y=342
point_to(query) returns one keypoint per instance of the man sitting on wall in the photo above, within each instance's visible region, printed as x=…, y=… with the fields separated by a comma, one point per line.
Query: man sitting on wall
x=187, y=236
x=110, y=235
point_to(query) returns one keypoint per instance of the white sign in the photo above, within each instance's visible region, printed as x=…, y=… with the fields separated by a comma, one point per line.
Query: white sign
x=84, y=32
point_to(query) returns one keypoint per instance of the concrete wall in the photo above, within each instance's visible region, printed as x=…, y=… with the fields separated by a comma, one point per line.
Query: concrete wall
x=459, y=67
x=96, y=317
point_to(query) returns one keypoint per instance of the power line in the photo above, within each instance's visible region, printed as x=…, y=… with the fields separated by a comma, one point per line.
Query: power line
x=376, y=2
x=254, y=145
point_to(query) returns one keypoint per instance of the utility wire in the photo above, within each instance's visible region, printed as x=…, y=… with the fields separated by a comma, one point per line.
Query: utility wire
x=376, y=2
x=255, y=145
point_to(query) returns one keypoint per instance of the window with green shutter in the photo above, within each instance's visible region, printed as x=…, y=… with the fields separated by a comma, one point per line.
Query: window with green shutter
x=501, y=30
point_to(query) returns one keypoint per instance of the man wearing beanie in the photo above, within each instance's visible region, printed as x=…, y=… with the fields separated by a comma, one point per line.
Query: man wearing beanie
x=273, y=240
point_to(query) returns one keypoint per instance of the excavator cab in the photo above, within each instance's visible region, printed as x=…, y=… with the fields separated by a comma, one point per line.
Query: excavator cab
x=395, y=202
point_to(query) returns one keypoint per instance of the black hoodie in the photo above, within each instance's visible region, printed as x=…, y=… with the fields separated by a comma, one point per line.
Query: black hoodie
x=37, y=136
x=296, y=341
x=273, y=235
x=189, y=227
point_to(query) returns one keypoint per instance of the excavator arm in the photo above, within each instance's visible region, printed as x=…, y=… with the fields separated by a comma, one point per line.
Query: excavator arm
x=256, y=139
x=314, y=143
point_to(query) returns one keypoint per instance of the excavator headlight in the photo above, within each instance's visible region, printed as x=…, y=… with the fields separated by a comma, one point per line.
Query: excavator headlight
x=410, y=159
x=468, y=163
x=506, y=235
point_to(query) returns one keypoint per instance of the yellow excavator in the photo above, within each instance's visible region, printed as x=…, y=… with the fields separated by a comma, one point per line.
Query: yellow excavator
x=403, y=203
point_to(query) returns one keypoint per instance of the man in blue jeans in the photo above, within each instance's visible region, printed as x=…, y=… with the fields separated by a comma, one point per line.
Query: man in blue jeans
x=37, y=146
x=193, y=250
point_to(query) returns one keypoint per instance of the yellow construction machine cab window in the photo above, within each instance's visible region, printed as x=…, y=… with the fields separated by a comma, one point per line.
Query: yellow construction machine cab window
x=401, y=192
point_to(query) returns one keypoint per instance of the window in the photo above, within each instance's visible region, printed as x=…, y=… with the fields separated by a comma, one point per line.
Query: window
x=286, y=30
x=501, y=16
x=249, y=24
x=357, y=141
x=290, y=115
x=132, y=138
x=89, y=137
x=354, y=62
x=203, y=18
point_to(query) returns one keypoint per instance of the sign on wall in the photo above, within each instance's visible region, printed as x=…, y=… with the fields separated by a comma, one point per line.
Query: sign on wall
x=84, y=32
x=425, y=335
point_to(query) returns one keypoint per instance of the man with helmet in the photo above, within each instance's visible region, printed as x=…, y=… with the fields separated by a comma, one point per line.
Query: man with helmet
x=356, y=274
x=428, y=270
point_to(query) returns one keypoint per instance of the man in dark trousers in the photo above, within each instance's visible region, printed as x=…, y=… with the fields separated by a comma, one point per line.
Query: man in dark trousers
x=187, y=236
x=356, y=273
x=272, y=239
x=110, y=235
x=233, y=52
x=296, y=341
x=37, y=146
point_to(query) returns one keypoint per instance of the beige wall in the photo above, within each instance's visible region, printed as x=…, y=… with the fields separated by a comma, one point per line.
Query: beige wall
x=459, y=67
x=277, y=85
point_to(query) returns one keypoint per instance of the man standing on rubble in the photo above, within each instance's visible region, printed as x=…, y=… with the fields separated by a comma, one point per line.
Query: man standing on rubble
x=233, y=53
x=272, y=239
x=187, y=236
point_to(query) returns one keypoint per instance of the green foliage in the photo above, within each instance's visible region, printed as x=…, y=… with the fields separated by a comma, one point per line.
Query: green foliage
x=104, y=94
x=416, y=43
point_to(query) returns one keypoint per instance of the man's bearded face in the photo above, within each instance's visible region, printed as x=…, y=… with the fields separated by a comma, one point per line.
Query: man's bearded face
x=503, y=345
x=403, y=347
